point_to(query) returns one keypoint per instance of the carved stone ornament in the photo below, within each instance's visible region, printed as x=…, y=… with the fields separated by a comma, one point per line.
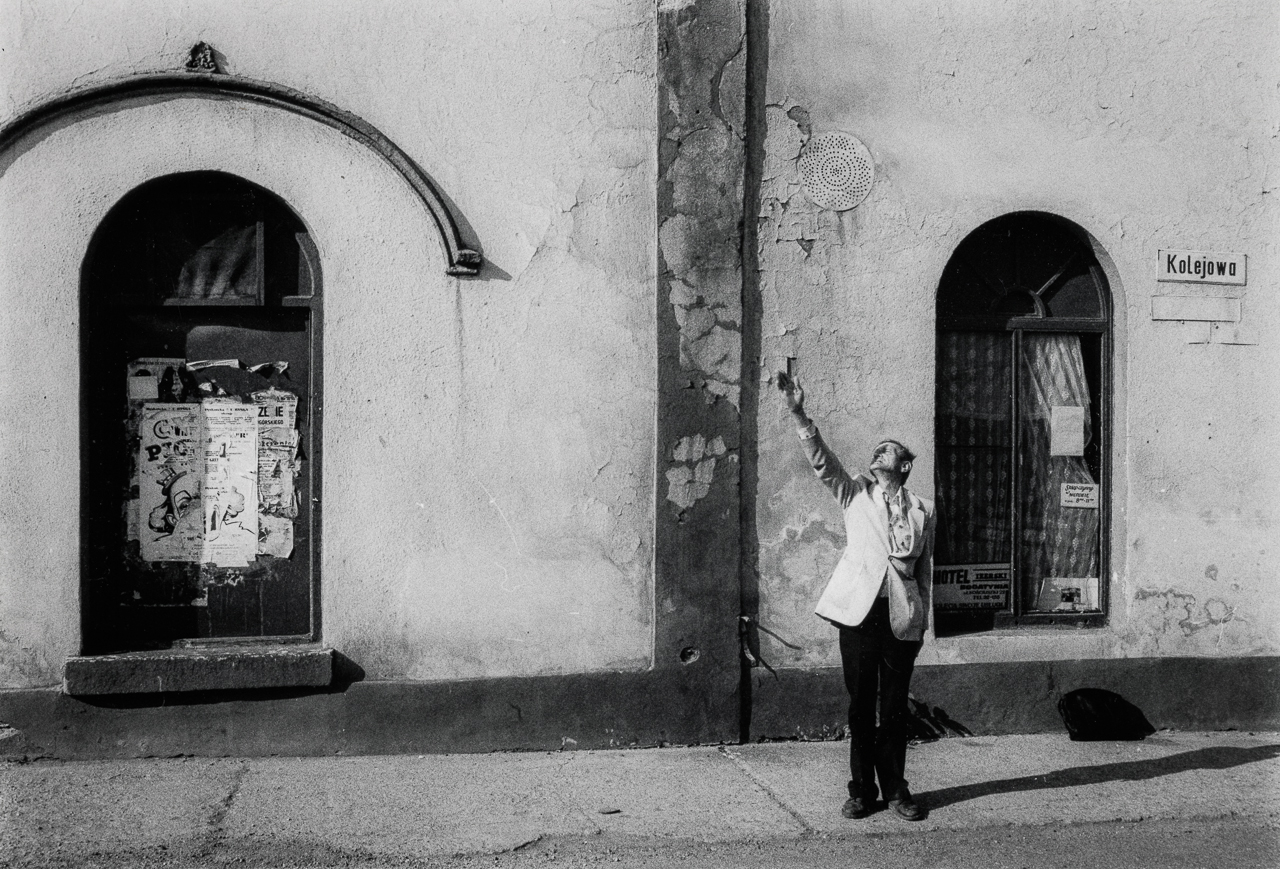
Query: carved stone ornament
x=203, y=58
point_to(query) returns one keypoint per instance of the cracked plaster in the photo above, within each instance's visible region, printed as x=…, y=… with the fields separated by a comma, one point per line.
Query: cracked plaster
x=1064, y=110
x=522, y=491
x=698, y=232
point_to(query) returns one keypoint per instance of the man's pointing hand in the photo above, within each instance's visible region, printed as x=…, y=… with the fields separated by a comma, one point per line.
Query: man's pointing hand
x=792, y=392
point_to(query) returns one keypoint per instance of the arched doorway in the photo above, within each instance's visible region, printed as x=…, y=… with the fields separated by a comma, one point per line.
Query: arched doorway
x=1022, y=428
x=200, y=363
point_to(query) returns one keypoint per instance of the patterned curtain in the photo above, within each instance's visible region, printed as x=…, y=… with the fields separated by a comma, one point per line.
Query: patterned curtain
x=1057, y=541
x=974, y=447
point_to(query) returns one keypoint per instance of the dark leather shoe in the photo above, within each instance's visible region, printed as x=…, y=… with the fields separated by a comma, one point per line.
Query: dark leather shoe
x=907, y=808
x=855, y=808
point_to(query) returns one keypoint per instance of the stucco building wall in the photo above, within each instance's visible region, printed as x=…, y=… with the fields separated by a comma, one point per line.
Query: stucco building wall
x=488, y=442
x=556, y=481
x=1147, y=125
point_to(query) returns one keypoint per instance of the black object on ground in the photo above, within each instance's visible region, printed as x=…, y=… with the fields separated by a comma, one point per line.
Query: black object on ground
x=1092, y=714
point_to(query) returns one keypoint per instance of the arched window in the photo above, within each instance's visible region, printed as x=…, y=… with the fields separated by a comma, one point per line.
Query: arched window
x=200, y=299
x=1022, y=428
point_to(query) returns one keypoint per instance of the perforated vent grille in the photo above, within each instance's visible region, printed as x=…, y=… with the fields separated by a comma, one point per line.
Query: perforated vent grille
x=837, y=171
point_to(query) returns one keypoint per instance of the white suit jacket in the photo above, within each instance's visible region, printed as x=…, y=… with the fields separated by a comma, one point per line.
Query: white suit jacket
x=866, y=562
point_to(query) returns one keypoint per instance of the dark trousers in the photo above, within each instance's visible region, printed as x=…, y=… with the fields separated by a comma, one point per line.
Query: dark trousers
x=877, y=665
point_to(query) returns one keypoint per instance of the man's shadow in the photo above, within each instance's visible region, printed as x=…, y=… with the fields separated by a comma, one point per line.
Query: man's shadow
x=1223, y=757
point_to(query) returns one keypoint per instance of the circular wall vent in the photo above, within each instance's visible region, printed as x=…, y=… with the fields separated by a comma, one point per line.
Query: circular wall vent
x=837, y=171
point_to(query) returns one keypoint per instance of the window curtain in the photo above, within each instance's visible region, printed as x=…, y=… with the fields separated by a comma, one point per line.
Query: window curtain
x=225, y=267
x=974, y=447
x=1057, y=541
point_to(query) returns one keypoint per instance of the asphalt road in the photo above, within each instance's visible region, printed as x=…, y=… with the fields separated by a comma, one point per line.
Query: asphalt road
x=1193, y=844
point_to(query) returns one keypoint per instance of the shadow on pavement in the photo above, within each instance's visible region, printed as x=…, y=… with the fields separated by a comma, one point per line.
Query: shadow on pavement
x=1134, y=770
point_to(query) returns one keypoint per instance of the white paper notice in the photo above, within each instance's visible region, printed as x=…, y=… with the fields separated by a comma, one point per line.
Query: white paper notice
x=1066, y=431
x=144, y=387
x=230, y=439
x=1068, y=594
x=1080, y=495
x=169, y=477
x=275, y=535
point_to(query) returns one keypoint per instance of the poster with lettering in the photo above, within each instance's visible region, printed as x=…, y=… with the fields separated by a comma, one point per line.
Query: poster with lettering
x=149, y=379
x=277, y=415
x=967, y=587
x=230, y=436
x=1080, y=495
x=170, y=470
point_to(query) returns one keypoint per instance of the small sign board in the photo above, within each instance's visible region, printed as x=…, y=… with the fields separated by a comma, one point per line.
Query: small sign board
x=1201, y=267
x=968, y=587
x=1080, y=495
x=1068, y=595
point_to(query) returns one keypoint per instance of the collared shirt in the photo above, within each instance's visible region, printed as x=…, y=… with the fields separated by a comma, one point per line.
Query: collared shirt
x=901, y=538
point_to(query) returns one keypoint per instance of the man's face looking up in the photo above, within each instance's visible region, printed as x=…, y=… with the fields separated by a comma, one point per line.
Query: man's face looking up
x=888, y=457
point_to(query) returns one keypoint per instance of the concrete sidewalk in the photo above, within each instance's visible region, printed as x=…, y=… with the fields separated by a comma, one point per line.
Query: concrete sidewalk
x=408, y=807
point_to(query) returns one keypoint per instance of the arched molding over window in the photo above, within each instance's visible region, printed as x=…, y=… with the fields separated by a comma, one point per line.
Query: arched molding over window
x=462, y=260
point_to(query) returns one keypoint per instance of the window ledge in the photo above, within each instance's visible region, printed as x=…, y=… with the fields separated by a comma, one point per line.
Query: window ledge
x=1051, y=620
x=218, y=668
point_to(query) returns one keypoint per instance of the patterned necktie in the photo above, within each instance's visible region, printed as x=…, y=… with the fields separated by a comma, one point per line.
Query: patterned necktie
x=900, y=536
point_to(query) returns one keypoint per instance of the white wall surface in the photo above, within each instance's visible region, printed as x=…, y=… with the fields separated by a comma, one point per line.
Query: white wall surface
x=488, y=463
x=1150, y=125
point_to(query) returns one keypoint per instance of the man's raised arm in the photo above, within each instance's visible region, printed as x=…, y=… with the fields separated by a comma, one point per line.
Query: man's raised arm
x=824, y=462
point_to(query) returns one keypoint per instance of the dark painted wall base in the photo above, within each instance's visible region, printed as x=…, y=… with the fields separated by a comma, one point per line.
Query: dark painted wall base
x=608, y=710
x=584, y=711
x=1022, y=697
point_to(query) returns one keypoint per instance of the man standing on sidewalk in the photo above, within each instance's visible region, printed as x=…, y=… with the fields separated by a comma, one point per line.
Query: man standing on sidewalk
x=878, y=597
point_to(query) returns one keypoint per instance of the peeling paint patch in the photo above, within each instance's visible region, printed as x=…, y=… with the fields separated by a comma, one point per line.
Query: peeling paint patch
x=786, y=213
x=701, y=161
x=1173, y=612
x=690, y=480
x=22, y=664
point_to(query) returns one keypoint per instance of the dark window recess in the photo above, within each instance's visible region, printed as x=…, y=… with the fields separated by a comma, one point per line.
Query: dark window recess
x=200, y=368
x=1022, y=429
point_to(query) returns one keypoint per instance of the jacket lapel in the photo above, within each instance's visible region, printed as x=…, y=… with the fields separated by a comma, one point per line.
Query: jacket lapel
x=875, y=509
x=915, y=515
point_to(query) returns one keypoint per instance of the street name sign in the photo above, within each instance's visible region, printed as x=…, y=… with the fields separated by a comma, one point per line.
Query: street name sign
x=1201, y=267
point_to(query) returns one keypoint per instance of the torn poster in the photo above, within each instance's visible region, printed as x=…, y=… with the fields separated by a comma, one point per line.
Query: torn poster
x=169, y=482
x=277, y=415
x=230, y=436
x=275, y=535
x=202, y=364
x=148, y=379
x=148, y=376
x=1066, y=431
x=263, y=368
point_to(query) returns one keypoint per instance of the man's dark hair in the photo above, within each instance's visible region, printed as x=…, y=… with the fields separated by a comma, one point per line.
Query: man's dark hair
x=904, y=453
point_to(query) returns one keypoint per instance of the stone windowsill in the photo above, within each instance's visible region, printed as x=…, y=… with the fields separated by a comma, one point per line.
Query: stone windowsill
x=206, y=668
